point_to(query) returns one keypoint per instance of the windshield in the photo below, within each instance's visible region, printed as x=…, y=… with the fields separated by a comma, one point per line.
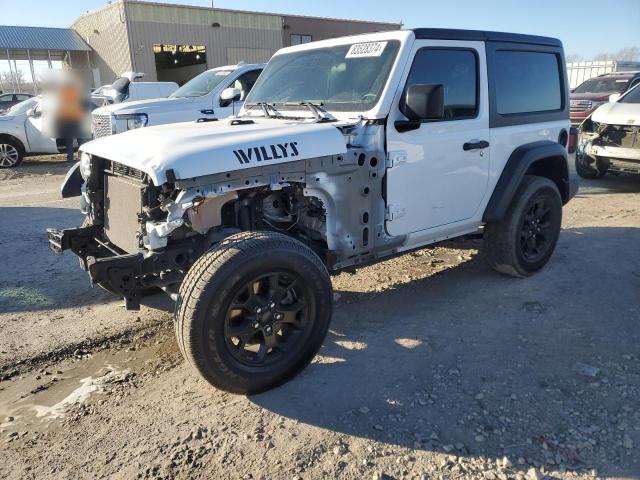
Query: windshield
x=632, y=97
x=202, y=84
x=347, y=78
x=603, y=85
x=22, y=107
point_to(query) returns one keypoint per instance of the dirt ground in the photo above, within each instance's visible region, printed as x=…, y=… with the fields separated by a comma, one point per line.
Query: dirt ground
x=435, y=367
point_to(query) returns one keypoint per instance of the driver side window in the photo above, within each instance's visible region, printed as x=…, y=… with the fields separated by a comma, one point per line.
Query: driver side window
x=245, y=83
x=457, y=71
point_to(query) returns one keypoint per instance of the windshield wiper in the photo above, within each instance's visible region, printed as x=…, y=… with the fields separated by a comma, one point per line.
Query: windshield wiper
x=265, y=108
x=316, y=109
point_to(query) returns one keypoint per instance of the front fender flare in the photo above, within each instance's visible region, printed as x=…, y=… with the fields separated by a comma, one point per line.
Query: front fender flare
x=71, y=186
x=520, y=161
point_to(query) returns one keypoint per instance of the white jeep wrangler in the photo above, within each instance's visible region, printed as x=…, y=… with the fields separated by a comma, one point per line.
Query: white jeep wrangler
x=346, y=151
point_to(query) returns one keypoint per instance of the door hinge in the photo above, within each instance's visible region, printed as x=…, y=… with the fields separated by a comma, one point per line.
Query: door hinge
x=394, y=211
x=395, y=158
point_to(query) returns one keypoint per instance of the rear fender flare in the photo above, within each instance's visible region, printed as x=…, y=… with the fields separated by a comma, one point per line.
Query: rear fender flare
x=545, y=158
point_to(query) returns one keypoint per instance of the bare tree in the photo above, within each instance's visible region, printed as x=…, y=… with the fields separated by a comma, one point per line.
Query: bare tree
x=574, y=57
x=629, y=54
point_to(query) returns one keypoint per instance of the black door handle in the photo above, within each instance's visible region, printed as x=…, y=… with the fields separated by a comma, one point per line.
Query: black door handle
x=207, y=112
x=475, y=145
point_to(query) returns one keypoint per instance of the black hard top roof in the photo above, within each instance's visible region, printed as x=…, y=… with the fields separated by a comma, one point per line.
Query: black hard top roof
x=481, y=35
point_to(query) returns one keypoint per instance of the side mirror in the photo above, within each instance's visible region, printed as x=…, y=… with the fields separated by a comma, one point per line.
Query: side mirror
x=424, y=102
x=34, y=113
x=229, y=95
x=614, y=97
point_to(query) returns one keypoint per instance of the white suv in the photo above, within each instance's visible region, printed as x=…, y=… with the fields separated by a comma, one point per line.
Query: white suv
x=347, y=151
x=212, y=95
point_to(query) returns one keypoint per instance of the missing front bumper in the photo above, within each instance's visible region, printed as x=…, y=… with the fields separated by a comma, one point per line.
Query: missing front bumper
x=126, y=275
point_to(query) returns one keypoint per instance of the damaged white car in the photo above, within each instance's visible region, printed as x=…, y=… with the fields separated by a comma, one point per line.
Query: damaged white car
x=347, y=151
x=610, y=139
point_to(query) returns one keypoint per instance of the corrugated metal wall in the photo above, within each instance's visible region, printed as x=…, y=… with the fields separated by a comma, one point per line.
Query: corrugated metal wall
x=105, y=31
x=127, y=31
x=324, y=28
x=240, y=36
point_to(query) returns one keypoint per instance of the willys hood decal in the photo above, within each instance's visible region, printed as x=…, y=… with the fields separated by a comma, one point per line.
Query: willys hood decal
x=194, y=149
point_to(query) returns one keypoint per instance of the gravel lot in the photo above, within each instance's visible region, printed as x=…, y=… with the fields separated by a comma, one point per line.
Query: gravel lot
x=435, y=366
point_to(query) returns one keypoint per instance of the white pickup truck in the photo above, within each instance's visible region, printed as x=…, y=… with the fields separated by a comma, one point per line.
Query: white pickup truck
x=124, y=89
x=212, y=95
x=347, y=151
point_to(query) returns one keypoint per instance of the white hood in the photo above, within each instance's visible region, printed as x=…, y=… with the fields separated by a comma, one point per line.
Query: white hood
x=616, y=113
x=193, y=149
x=147, y=106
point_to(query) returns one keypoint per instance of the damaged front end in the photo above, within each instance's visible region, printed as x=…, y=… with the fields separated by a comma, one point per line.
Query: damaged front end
x=604, y=147
x=118, y=201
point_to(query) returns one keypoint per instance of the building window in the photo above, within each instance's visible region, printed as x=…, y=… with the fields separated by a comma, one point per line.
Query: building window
x=297, y=39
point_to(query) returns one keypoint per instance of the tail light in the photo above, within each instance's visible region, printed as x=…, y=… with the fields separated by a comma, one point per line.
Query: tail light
x=573, y=140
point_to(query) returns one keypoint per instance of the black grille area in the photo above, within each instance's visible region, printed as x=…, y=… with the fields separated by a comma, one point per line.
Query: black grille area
x=621, y=136
x=125, y=171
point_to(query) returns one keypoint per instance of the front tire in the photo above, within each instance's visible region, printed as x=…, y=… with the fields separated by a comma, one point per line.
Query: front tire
x=523, y=241
x=253, y=311
x=593, y=169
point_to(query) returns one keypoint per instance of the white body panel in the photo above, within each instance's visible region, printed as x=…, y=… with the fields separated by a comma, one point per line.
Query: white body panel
x=197, y=149
x=439, y=183
x=616, y=113
x=144, y=90
x=29, y=130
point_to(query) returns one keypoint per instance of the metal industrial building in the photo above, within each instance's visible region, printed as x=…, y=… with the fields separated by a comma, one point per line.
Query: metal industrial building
x=176, y=42
x=26, y=52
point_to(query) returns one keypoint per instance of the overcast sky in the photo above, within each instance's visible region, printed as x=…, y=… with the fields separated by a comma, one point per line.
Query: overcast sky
x=587, y=27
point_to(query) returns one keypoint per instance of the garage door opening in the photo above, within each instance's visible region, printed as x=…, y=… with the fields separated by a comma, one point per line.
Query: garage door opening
x=179, y=63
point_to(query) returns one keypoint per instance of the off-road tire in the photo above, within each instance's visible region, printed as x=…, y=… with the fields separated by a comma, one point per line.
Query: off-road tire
x=502, y=243
x=206, y=296
x=13, y=147
x=594, y=171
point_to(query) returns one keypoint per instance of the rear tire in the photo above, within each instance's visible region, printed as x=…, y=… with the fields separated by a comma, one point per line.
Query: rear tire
x=523, y=241
x=11, y=153
x=590, y=169
x=253, y=311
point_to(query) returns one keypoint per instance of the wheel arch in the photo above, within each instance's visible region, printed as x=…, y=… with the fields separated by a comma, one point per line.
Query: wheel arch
x=543, y=158
x=8, y=136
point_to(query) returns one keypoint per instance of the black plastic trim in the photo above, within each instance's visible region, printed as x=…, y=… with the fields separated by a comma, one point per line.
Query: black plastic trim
x=483, y=36
x=72, y=182
x=513, y=173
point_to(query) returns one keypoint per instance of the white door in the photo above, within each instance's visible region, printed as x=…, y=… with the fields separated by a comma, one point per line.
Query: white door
x=39, y=141
x=440, y=170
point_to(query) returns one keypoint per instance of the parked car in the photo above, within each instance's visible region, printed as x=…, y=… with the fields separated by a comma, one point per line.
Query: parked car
x=124, y=89
x=346, y=151
x=8, y=100
x=589, y=95
x=21, y=133
x=610, y=138
x=212, y=95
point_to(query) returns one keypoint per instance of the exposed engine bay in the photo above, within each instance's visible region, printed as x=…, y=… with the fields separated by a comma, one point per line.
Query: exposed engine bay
x=138, y=235
x=608, y=147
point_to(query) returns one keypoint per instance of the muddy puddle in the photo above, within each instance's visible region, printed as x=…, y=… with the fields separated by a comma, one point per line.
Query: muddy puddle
x=41, y=400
